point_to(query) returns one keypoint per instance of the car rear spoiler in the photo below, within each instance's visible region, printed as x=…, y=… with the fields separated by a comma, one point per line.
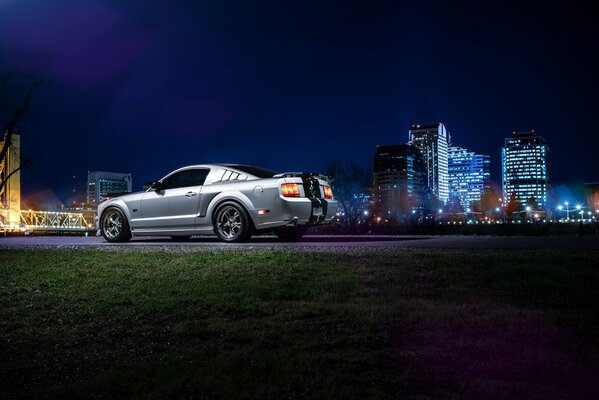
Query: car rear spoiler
x=301, y=175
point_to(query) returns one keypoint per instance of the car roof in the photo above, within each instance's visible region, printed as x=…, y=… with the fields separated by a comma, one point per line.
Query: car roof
x=217, y=165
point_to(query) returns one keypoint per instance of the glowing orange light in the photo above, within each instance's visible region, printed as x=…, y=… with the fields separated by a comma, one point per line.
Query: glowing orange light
x=328, y=193
x=290, y=190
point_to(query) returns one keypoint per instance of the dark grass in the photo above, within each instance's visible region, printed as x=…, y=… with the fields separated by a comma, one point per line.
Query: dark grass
x=270, y=325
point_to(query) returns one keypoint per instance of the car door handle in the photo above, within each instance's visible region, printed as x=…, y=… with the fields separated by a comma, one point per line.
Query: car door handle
x=191, y=194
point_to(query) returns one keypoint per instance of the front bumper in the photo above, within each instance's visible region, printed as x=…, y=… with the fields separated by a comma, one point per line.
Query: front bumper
x=98, y=230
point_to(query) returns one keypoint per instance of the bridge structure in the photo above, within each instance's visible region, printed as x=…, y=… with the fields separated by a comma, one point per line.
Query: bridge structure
x=15, y=219
x=47, y=221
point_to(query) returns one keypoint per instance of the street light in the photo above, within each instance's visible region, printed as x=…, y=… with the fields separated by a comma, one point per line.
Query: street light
x=528, y=208
x=578, y=206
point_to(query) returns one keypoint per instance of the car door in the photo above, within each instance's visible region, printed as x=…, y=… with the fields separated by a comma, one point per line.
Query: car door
x=175, y=206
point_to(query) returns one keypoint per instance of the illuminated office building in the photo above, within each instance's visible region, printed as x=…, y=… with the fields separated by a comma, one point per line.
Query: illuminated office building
x=101, y=185
x=469, y=175
x=399, y=180
x=525, y=165
x=432, y=141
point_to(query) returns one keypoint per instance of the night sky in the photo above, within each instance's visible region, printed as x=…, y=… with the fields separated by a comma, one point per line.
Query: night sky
x=146, y=87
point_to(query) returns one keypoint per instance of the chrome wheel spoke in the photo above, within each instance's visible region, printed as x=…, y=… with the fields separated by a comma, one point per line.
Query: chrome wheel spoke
x=113, y=224
x=229, y=223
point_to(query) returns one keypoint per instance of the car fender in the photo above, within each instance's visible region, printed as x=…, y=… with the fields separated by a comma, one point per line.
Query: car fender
x=118, y=203
x=236, y=196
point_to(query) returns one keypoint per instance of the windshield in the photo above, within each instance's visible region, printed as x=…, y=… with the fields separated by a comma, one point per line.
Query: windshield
x=256, y=171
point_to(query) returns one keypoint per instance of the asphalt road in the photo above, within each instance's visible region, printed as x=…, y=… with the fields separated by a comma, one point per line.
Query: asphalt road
x=317, y=242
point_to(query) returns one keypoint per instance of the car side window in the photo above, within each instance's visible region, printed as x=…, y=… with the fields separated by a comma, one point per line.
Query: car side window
x=189, y=177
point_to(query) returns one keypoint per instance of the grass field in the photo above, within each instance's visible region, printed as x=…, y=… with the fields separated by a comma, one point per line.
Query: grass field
x=412, y=324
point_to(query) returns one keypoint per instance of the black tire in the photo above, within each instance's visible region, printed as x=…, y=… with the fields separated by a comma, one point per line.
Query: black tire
x=232, y=223
x=180, y=238
x=289, y=234
x=114, y=226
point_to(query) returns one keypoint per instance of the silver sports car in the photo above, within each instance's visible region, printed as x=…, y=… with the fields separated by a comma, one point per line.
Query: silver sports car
x=233, y=201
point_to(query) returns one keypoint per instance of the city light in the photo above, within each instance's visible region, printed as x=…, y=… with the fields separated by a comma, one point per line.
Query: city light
x=366, y=212
x=528, y=208
x=497, y=209
x=560, y=207
x=578, y=206
x=441, y=211
x=567, y=204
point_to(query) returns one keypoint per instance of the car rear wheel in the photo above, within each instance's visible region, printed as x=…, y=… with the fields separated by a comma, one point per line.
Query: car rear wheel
x=114, y=225
x=289, y=234
x=232, y=223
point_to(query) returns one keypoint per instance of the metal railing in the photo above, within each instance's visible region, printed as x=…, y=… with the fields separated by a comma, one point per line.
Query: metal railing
x=30, y=220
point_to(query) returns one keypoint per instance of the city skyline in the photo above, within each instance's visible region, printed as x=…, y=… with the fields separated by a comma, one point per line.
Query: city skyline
x=78, y=189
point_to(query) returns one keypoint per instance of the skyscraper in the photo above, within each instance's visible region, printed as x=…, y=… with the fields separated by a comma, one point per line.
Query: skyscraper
x=432, y=140
x=469, y=174
x=525, y=165
x=399, y=180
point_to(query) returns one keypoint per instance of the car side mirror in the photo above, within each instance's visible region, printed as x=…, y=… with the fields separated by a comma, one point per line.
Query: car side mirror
x=152, y=186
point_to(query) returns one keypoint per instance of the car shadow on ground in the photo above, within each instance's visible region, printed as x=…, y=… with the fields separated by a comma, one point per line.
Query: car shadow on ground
x=274, y=239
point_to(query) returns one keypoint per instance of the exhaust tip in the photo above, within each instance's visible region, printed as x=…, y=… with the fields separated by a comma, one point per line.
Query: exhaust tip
x=293, y=222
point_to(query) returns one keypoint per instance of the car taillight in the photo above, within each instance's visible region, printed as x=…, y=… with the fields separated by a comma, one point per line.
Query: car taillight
x=290, y=190
x=328, y=193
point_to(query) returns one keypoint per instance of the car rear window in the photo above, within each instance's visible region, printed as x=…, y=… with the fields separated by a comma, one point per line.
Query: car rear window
x=256, y=171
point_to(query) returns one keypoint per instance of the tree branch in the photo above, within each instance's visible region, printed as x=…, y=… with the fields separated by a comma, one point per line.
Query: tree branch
x=5, y=181
x=10, y=128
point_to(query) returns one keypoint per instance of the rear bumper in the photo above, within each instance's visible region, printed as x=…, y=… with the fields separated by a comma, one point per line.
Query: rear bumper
x=297, y=211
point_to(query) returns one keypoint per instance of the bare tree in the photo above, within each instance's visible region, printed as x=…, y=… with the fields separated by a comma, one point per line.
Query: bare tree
x=489, y=200
x=10, y=127
x=351, y=184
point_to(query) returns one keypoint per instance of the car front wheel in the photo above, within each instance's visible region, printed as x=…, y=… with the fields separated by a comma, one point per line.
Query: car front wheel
x=232, y=223
x=114, y=225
